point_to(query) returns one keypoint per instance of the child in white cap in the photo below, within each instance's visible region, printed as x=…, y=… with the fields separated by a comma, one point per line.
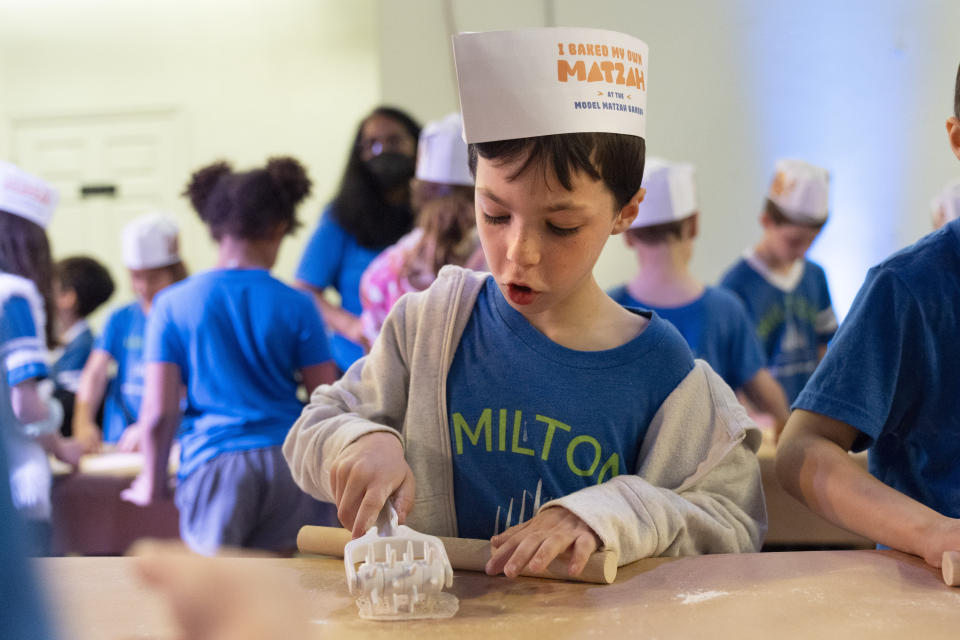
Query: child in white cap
x=442, y=194
x=711, y=319
x=785, y=294
x=525, y=405
x=240, y=342
x=152, y=257
x=889, y=382
x=29, y=415
x=945, y=207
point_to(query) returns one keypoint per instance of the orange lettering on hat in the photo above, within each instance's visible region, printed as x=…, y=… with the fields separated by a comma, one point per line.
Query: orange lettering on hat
x=564, y=70
x=595, y=74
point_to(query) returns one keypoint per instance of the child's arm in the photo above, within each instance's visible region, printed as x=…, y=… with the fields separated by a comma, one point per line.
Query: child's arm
x=813, y=465
x=90, y=392
x=766, y=394
x=697, y=487
x=159, y=419
x=318, y=374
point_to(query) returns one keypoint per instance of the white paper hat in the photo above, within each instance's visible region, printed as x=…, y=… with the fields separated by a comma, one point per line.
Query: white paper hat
x=26, y=195
x=801, y=190
x=151, y=241
x=671, y=193
x=947, y=201
x=537, y=82
x=442, y=153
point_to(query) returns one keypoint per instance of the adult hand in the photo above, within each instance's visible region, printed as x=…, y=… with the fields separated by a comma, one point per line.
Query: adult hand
x=538, y=541
x=365, y=475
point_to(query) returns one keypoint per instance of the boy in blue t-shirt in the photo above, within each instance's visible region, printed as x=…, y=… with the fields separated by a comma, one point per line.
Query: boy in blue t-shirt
x=80, y=286
x=785, y=294
x=151, y=254
x=889, y=382
x=711, y=320
x=525, y=405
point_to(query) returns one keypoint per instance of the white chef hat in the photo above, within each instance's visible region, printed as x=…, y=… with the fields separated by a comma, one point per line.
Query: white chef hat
x=801, y=191
x=151, y=241
x=442, y=153
x=671, y=193
x=26, y=195
x=544, y=81
x=947, y=202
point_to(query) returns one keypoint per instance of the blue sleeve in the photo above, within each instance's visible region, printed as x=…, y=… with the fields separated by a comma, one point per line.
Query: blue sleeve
x=111, y=339
x=162, y=342
x=745, y=345
x=22, y=349
x=312, y=339
x=876, y=355
x=320, y=264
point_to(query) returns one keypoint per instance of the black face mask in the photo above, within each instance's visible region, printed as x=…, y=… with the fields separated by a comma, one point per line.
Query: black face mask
x=391, y=170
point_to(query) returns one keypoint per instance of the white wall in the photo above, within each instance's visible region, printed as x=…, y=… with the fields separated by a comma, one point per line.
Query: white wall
x=861, y=87
x=251, y=78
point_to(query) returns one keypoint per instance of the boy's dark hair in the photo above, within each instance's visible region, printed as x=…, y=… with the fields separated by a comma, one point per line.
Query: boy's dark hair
x=956, y=95
x=615, y=158
x=659, y=233
x=25, y=252
x=89, y=279
x=778, y=217
x=249, y=204
x=360, y=206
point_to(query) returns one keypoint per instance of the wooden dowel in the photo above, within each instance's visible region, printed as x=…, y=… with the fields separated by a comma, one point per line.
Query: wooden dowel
x=467, y=554
x=950, y=565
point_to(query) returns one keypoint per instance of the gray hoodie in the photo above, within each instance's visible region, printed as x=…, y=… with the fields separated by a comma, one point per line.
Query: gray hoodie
x=696, y=488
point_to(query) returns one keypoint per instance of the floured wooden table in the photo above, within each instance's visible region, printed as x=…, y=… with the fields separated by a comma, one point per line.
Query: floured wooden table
x=816, y=594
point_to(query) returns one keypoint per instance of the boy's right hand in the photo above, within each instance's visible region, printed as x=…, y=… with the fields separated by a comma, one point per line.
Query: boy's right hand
x=88, y=435
x=365, y=474
x=942, y=535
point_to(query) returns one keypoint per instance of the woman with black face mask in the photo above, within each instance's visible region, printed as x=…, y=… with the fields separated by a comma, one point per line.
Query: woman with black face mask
x=370, y=212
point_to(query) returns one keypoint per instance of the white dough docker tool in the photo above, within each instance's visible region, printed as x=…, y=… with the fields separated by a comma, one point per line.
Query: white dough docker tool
x=398, y=573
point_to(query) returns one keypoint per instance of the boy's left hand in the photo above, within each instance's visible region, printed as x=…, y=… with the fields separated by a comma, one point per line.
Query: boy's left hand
x=143, y=492
x=538, y=541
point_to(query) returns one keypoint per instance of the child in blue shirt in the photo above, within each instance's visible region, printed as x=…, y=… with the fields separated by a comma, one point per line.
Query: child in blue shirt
x=889, y=383
x=785, y=294
x=240, y=342
x=80, y=286
x=711, y=320
x=151, y=254
x=525, y=405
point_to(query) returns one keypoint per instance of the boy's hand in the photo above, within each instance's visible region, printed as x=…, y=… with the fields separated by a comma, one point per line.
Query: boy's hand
x=69, y=450
x=365, y=475
x=88, y=435
x=130, y=438
x=143, y=492
x=538, y=541
x=944, y=535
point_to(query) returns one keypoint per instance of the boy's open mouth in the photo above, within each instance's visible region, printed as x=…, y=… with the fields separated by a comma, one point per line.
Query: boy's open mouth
x=521, y=294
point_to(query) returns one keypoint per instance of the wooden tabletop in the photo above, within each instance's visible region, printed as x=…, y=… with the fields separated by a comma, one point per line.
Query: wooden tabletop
x=817, y=594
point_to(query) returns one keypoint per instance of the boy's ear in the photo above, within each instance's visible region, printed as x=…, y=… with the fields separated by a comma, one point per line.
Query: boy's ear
x=628, y=213
x=953, y=133
x=693, y=226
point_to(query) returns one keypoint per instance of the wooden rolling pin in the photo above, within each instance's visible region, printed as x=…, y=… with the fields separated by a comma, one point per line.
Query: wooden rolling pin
x=467, y=554
x=950, y=565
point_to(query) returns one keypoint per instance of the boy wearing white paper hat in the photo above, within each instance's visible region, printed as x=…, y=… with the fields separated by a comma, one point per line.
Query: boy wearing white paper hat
x=945, y=207
x=442, y=194
x=712, y=320
x=29, y=415
x=150, y=251
x=526, y=405
x=889, y=383
x=785, y=294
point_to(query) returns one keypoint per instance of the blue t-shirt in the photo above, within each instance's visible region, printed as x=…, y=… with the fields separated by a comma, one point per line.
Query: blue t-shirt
x=122, y=338
x=716, y=327
x=792, y=315
x=333, y=258
x=892, y=371
x=68, y=367
x=240, y=338
x=531, y=420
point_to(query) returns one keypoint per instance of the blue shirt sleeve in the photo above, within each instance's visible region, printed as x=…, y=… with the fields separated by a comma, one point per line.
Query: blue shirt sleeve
x=312, y=339
x=22, y=349
x=323, y=255
x=162, y=341
x=875, y=356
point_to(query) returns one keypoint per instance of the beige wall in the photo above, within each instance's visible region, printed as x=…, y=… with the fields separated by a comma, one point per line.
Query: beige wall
x=250, y=78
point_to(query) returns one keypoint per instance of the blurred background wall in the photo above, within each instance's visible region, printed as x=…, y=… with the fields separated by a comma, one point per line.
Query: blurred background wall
x=137, y=94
